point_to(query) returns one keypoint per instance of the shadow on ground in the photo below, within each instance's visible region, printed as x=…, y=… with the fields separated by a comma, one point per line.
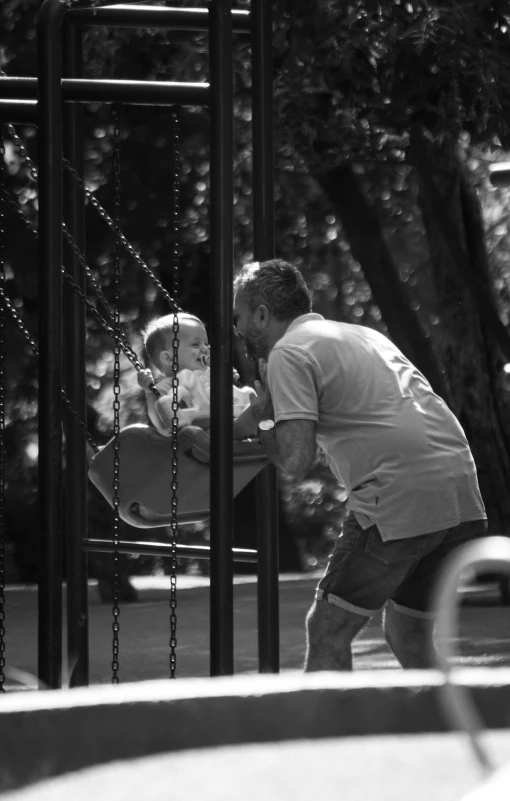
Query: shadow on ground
x=144, y=630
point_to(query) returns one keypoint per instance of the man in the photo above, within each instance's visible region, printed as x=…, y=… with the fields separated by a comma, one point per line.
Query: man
x=399, y=451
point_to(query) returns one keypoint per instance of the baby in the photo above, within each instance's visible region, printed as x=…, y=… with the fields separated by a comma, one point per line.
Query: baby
x=194, y=377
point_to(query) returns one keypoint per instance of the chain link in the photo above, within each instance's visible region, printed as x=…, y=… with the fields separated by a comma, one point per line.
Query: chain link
x=123, y=342
x=127, y=245
x=6, y=304
x=2, y=418
x=99, y=208
x=122, y=339
x=26, y=222
x=32, y=169
x=101, y=211
x=126, y=347
x=175, y=390
x=116, y=395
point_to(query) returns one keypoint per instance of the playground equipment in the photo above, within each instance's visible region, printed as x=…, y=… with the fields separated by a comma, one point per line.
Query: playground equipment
x=489, y=555
x=499, y=174
x=146, y=473
x=52, y=102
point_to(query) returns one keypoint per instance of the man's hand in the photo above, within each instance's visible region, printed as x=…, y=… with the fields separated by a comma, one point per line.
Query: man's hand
x=262, y=365
x=261, y=404
x=145, y=378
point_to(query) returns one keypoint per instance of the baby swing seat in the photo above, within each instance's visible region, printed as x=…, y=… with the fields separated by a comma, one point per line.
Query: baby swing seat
x=145, y=456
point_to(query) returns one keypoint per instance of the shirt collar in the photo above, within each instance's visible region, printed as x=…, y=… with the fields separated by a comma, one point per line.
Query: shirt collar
x=304, y=318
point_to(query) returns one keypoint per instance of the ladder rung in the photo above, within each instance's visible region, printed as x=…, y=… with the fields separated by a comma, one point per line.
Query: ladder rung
x=139, y=16
x=164, y=549
x=87, y=90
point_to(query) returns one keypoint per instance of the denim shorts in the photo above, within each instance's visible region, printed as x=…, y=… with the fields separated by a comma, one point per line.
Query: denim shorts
x=364, y=572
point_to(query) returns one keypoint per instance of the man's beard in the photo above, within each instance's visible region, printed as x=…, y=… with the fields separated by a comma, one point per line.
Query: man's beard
x=256, y=345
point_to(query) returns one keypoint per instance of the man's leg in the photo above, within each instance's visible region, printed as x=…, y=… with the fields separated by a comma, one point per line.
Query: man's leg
x=330, y=631
x=409, y=635
x=355, y=586
x=408, y=627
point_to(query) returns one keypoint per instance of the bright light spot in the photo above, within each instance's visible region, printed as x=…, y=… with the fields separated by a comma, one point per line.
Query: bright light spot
x=506, y=368
x=32, y=451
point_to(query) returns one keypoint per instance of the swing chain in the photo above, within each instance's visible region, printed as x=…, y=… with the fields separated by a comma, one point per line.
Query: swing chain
x=32, y=170
x=124, y=343
x=116, y=394
x=125, y=346
x=127, y=245
x=175, y=390
x=26, y=222
x=99, y=208
x=2, y=421
x=6, y=304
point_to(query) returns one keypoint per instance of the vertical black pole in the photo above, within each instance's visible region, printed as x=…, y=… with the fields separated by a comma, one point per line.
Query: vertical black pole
x=222, y=253
x=50, y=341
x=264, y=248
x=76, y=384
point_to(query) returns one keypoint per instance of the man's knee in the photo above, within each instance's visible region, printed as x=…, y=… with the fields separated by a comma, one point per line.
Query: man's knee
x=409, y=635
x=328, y=622
x=330, y=632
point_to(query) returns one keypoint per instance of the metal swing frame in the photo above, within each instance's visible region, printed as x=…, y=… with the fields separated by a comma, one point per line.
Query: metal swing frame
x=59, y=125
x=246, y=455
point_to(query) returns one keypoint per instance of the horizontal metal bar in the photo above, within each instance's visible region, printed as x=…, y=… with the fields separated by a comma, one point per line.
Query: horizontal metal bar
x=19, y=111
x=499, y=174
x=139, y=16
x=90, y=90
x=165, y=549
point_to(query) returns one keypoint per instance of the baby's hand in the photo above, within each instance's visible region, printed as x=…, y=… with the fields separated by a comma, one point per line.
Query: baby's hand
x=145, y=378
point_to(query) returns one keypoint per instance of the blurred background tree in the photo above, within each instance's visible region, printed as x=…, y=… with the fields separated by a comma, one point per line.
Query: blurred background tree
x=387, y=117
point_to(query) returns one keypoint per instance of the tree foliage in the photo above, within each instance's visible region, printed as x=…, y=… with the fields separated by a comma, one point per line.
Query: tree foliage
x=352, y=81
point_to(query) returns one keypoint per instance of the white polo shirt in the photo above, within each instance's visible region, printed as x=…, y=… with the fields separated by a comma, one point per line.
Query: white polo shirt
x=389, y=439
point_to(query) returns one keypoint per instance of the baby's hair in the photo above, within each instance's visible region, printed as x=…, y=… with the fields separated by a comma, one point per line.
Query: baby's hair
x=159, y=333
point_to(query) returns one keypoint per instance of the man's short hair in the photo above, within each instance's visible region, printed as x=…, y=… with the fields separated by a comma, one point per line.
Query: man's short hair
x=159, y=333
x=276, y=284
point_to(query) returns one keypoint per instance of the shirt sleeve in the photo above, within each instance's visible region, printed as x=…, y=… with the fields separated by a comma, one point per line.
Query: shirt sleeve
x=294, y=384
x=164, y=385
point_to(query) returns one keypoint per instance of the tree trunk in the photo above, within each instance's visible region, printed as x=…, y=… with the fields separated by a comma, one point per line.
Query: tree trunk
x=469, y=338
x=364, y=233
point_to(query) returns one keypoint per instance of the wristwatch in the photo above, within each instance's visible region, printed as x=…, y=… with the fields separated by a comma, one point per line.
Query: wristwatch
x=266, y=425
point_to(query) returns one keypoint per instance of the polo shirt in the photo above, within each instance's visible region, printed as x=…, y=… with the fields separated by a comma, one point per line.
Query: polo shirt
x=394, y=445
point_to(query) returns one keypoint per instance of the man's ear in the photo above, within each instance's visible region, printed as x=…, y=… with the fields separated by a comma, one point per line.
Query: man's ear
x=263, y=315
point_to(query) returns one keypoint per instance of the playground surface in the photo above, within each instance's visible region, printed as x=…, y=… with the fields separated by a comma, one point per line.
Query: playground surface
x=144, y=630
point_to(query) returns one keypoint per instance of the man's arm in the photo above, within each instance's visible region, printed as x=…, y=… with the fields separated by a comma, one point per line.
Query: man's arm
x=291, y=446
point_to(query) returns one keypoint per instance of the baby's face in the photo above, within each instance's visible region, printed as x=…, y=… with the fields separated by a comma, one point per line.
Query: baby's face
x=193, y=346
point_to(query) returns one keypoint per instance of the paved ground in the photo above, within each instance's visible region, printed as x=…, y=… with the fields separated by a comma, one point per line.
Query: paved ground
x=144, y=630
